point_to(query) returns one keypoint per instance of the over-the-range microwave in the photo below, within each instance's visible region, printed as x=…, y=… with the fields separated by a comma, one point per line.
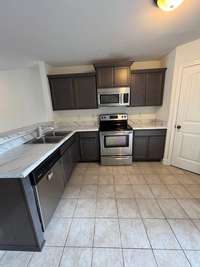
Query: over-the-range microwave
x=113, y=97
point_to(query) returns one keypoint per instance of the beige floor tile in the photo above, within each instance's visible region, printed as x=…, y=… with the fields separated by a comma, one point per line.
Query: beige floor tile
x=133, y=234
x=161, y=191
x=197, y=223
x=57, y=231
x=81, y=233
x=160, y=234
x=162, y=170
x=106, y=208
x=139, y=258
x=175, y=170
x=49, y=257
x=133, y=170
x=152, y=179
x=169, y=179
x=175, y=258
x=107, y=257
x=105, y=191
x=194, y=190
x=193, y=257
x=191, y=207
x=172, y=209
x=15, y=259
x=116, y=170
x=90, y=179
x=121, y=179
x=105, y=179
x=186, y=233
x=187, y=180
x=105, y=170
x=107, y=233
x=85, y=208
x=147, y=170
x=66, y=208
x=179, y=191
x=72, y=191
x=149, y=209
x=123, y=191
x=88, y=191
x=76, y=180
x=76, y=257
x=137, y=179
x=79, y=171
x=127, y=208
x=91, y=172
x=142, y=191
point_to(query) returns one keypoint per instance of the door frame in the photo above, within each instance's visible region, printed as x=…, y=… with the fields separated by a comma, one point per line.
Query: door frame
x=174, y=106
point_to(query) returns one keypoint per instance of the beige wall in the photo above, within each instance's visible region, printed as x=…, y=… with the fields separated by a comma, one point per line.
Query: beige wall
x=22, y=100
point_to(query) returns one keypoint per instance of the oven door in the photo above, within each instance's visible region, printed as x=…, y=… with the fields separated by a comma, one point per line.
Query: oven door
x=116, y=143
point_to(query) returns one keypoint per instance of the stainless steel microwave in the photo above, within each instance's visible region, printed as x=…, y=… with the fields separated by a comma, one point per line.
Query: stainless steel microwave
x=113, y=97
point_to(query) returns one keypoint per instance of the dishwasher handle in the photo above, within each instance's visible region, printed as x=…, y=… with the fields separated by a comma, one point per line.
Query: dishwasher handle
x=50, y=176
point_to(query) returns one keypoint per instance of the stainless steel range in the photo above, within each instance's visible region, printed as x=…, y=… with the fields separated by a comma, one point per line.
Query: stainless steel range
x=116, y=139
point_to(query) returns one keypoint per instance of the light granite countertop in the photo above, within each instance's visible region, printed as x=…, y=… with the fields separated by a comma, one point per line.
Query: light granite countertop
x=147, y=124
x=22, y=160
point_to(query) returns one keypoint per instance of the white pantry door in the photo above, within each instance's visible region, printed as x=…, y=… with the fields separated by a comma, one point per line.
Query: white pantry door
x=186, y=150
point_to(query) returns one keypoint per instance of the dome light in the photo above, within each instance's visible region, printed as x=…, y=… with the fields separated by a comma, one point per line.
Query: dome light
x=168, y=5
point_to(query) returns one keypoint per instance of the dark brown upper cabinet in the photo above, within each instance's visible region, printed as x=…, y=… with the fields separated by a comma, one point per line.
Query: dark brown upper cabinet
x=75, y=91
x=62, y=93
x=147, y=87
x=85, y=91
x=113, y=74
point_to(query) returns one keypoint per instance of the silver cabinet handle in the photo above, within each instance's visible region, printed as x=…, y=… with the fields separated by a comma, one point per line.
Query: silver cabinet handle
x=50, y=176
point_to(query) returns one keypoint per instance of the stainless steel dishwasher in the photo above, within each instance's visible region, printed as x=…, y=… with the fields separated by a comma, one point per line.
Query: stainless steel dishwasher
x=48, y=184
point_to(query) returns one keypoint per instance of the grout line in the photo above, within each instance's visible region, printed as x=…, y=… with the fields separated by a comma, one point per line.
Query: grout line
x=123, y=260
x=145, y=228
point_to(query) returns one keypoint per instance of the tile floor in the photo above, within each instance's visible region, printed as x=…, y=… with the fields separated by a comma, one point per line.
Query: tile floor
x=144, y=215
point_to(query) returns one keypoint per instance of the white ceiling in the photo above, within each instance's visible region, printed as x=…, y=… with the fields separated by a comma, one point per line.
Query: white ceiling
x=69, y=32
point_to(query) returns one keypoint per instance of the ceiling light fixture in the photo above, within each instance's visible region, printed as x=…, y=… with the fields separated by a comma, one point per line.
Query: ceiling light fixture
x=168, y=5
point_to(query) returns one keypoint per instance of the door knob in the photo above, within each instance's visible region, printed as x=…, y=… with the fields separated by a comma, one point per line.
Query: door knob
x=178, y=127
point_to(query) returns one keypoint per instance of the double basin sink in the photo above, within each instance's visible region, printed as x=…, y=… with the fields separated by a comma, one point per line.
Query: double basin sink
x=49, y=138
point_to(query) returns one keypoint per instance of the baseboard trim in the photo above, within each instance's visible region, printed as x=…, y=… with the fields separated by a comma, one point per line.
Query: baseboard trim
x=166, y=162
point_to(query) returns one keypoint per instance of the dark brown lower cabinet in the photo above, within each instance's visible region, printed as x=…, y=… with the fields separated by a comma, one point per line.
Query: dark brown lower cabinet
x=148, y=145
x=20, y=227
x=89, y=146
x=71, y=155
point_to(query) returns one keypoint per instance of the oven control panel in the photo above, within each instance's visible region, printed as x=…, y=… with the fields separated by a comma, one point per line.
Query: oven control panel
x=113, y=117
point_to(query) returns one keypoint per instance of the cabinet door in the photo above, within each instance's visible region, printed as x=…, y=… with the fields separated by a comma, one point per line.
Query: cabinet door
x=154, y=88
x=67, y=164
x=156, y=147
x=105, y=77
x=85, y=91
x=89, y=146
x=121, y=76
x=140, y=148
x=138, y=89
x=62, y=93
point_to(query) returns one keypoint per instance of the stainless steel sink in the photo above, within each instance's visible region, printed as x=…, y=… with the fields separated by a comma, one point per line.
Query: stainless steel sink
x=57, y=133
x=52, y=137
x=46, y=140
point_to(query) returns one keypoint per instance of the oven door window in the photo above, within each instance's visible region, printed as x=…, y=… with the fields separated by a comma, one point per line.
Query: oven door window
x=109, y=99
x=112, y=141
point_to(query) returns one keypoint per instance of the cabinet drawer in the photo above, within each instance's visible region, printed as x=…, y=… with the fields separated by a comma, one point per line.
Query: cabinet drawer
x=89, y=134
x=150, y=132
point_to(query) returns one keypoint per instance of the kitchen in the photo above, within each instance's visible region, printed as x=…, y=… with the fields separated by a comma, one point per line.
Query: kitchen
x=99, y=158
